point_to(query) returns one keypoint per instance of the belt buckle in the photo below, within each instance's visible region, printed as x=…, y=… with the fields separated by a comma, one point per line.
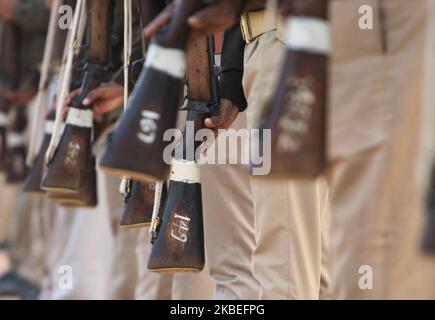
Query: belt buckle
x=245, y=26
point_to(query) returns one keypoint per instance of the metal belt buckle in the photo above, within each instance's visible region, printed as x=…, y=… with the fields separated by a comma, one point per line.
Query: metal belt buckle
x=245, y=26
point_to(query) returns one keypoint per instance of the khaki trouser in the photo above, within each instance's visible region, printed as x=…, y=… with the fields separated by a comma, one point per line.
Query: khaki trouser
x=19, y=226
x=291, y=216
x=7, y=196
x=376, y=153
x=229, y=228
x=375, y=164
x=99, y=254
x=165, y=286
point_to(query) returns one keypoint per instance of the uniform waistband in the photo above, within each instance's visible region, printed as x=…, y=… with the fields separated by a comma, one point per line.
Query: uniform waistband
x=253, y=24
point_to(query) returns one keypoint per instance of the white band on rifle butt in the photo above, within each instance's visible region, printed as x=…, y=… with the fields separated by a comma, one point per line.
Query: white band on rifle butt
x=3, y=119
x=167, y=60
x=308, y=34
x=185, y=171
x=14, y=140
x=49, y=126
x=80, y=118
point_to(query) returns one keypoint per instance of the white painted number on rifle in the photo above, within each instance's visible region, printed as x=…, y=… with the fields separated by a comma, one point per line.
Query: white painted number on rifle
x=148, y=126
x=181, y=228
x=72, y=153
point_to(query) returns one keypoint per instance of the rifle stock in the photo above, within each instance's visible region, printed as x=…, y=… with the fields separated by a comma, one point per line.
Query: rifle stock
x=151, y=108
x=70, y=170
x=297, y=112
x=86, y=197
x=16, y=169
x=9, y=77
x=32, y=184
x=179, y=245
x=139, y=203
x=139, y=196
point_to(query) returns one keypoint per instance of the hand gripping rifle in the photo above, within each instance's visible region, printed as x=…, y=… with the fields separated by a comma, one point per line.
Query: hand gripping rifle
x=151, y=109
x=139, y=195
x=297, y=112
x=9, y=78
x=71, y=171
x=179, y=245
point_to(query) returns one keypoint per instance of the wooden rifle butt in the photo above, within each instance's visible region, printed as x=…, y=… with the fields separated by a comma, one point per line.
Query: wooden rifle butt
x=86, y=197
x=297, y=113
x=179, y=246
x=295, y=153
x=151, y=110
x=16, y=169
x=32, y=184
x=138, y=208
x=152, y=107
x=68, y=170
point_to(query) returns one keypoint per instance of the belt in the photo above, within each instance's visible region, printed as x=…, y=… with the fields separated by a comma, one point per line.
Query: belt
x=253, y=24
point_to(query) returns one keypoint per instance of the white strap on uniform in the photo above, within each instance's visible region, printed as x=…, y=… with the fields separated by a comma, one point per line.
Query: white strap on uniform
x=127, y=55
x=65, y=79
x=127, y=45
x=185, y=171
x=168, y=60
x=157, y=204
x=308, y=34
x=41, y=98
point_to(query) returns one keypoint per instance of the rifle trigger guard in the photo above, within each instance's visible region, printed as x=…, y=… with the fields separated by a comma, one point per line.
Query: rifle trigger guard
x=199, y=106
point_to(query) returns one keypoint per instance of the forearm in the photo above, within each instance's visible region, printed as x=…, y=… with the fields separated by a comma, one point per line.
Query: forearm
x=232, y=68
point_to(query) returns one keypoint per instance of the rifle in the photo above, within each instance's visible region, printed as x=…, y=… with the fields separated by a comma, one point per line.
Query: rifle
x=297, y=112
x=9, y=78
x=138, y=204
x=428, y=241
x=54, y=46
x=32, y=184
x=16, y=169
x=71, y=170
x=179, y=245
x=139, y=196
x=151, y=109
x=89, y=198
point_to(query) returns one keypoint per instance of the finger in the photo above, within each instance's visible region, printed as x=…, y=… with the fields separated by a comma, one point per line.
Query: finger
x=209, y=123
x=94, y=95
x=161, y=20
